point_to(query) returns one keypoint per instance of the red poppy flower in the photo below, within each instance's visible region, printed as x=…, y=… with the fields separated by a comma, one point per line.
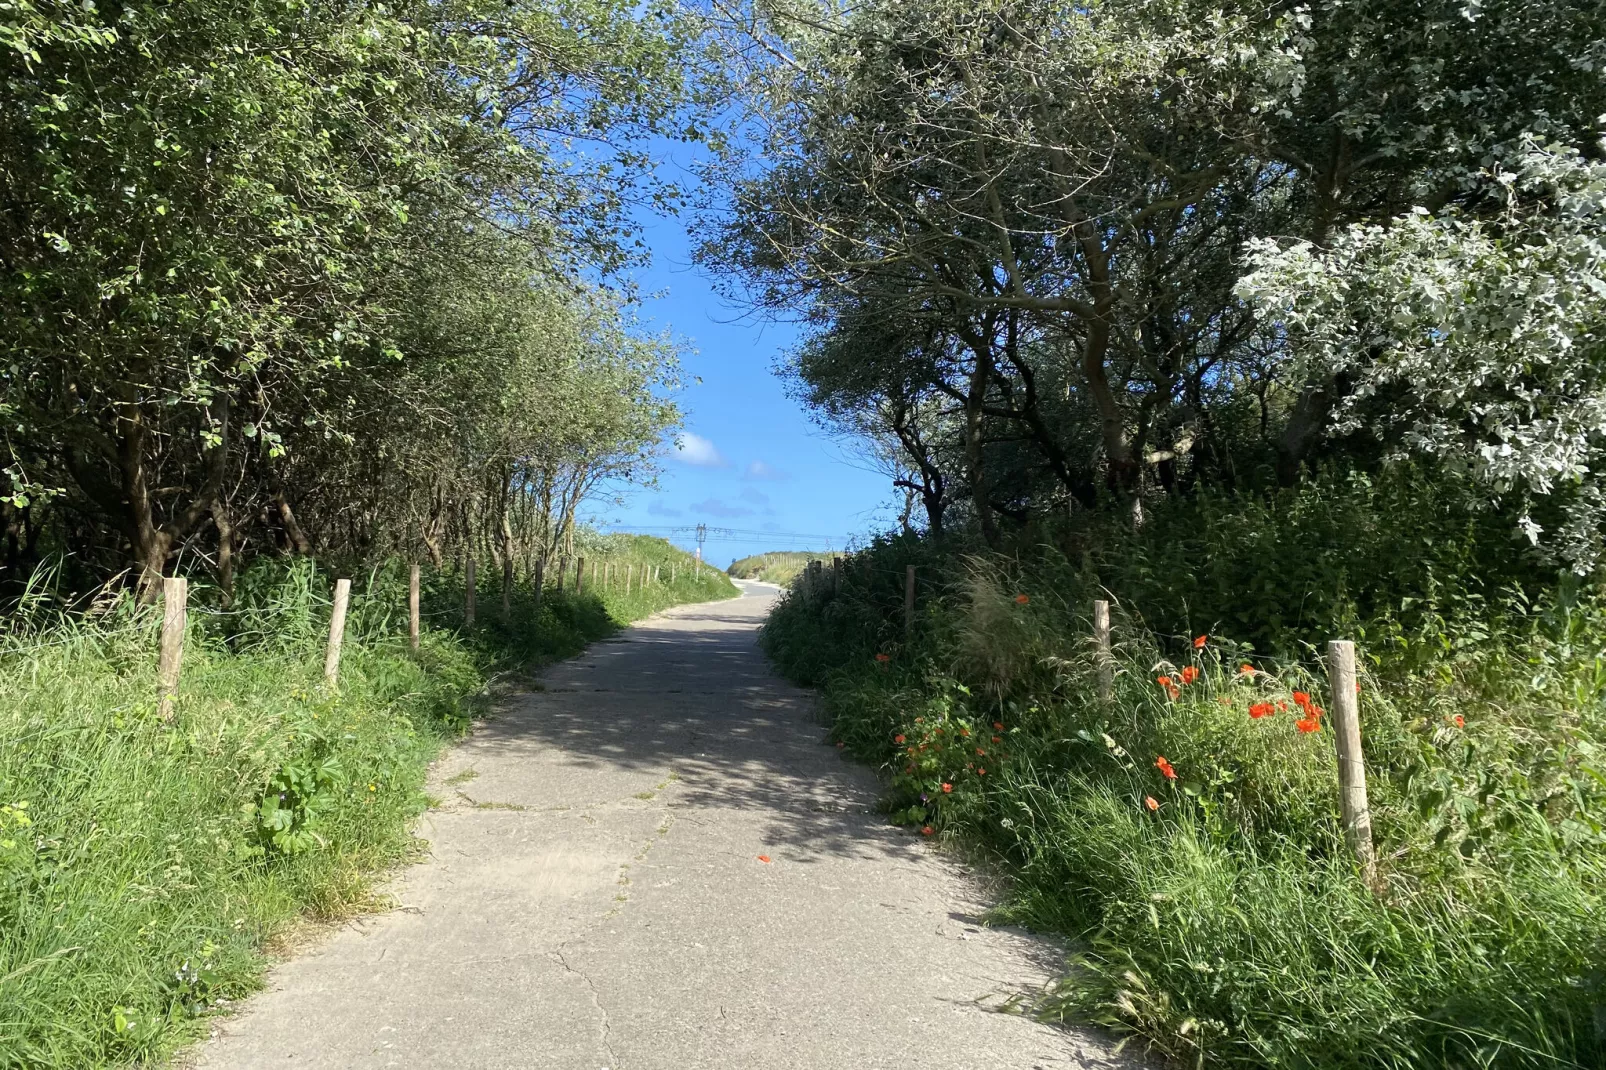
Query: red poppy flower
x=1151, y=802
x=1302, y=699
x=1308, y=724
x=898, y=738
x=883, y=658
x=925, y=830
x=998, y=726
x=998, y=739
x=1261, y=709
x=1021, y=600
x=1165, y=768
x=981, y=772
x=980, y=753
x=947, y=789
x=1459, y=721
x=764, y=859
x=1246, y=669
x=1190, y=673
x=1200, y=642
x=964, y=731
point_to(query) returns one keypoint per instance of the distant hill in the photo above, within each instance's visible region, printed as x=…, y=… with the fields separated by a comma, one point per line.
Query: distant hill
x=776, y=567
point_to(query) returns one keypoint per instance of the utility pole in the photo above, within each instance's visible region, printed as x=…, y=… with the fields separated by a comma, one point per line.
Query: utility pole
x=702, y=537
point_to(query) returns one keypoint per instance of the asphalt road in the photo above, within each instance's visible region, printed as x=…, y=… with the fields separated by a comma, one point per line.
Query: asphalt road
x=595, y=897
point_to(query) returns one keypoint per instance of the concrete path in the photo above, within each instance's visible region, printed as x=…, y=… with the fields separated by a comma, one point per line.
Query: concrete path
x=595, y=897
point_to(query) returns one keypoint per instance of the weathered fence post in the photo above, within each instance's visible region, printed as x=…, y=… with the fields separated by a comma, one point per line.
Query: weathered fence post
x=579, y=575
x=175, y=614
x=630, y=572
x=1353, y=806
x=1101, y=648
x=674, y=567
x=540, y=579
x=909, y=600
x=337, y=631
x=412, y=608
x=468, y=592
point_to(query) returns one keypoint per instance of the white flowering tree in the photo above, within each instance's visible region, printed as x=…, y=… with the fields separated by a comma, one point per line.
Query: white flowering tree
x=1478, y=342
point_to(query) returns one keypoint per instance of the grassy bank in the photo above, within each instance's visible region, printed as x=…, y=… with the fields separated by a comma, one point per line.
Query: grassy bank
x=1219, y=916
x=146, y=867
x=777, y=566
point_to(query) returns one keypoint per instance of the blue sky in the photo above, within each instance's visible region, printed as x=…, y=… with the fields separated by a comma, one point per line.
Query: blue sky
x=752, y=462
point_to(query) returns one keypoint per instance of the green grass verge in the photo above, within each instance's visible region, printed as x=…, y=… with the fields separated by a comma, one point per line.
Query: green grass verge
x=146, y=868
x=1220, y=917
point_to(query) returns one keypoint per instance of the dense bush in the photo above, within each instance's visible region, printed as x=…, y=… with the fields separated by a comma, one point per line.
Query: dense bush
x=145, y=865
x=1220, y=916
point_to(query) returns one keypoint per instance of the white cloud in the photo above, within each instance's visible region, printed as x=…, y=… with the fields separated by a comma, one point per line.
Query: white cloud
x=715, y=507
x=760, y=470
x=697, y=450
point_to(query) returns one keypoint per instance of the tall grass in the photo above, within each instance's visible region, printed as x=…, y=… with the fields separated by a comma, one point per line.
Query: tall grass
x=1220, y=918
x=145, y=867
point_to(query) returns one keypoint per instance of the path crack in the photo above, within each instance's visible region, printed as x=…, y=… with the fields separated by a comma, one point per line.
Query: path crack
x=606, y=1036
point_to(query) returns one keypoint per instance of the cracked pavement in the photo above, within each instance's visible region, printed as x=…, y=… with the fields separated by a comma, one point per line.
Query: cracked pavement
x=594, y=898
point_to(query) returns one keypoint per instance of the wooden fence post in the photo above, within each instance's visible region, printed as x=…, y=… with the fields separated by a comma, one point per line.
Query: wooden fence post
x=1353, y=805
x=630, y=572
x=540, y=579
x=674, y=567
x=909, y=600
x=579, y=575
x=412, y=608
x=175, y=614
x=337, y=631
x=468, y=593
x=1101, y=648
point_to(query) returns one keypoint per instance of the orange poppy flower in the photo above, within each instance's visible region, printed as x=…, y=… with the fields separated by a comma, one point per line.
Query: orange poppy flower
x=1246, y=669
x=947, y=788
x=998, y=739
x=1308, y=724
x=883, y=658
x=925, y=830
x=1151, y=802
x=981, y=772
x=998, y=726
x=1190, y=673
x=1258, y=710
x=1302, y=699
x=1021, y=600
x=1165, y=768
x=1459, y=720
x=1200, y=642
x=980, y=753
x=898, y=738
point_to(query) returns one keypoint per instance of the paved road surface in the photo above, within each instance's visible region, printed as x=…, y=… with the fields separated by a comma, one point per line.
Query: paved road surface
x=594, y=897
